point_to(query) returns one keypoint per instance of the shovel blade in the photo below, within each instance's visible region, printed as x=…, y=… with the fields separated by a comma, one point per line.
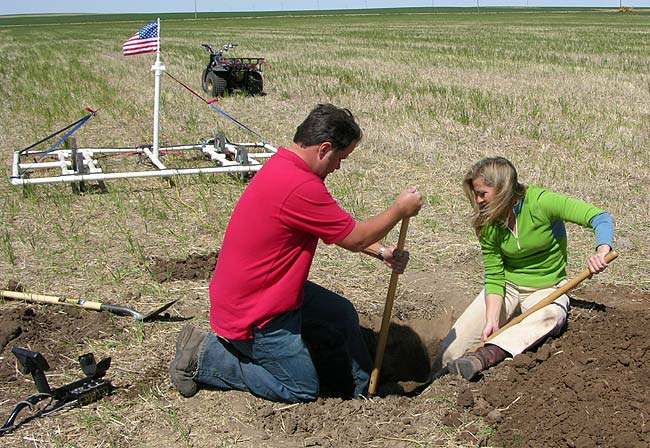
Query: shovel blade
x=156, y=312
x=124, y=311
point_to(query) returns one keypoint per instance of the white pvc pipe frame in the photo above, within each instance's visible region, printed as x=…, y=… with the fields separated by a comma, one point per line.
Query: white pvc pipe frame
x=95, y=173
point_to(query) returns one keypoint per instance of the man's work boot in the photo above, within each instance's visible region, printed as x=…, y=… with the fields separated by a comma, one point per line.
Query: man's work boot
x=471, y=364
x=186, y=360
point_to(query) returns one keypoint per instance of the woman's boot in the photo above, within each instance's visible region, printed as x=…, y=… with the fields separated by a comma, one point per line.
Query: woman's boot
x=471, y=364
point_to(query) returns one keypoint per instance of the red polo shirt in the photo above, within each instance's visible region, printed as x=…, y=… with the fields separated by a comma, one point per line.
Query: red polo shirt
x=270, y=243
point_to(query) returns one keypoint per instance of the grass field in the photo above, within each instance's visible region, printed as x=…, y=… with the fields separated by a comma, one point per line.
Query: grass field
x=564, y=94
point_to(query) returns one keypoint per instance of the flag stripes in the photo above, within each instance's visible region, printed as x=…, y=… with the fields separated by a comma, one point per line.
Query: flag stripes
x=144, y=41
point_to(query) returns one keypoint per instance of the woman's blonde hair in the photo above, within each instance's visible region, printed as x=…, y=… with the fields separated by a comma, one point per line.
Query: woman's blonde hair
x=499, y=173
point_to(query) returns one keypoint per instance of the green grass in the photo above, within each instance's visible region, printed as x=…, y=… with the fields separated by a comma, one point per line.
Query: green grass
x=448, y=86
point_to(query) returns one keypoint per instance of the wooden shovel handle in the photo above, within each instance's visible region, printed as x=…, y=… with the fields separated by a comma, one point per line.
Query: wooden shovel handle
x=568, y=286
x=385, y=321
x=81, y=303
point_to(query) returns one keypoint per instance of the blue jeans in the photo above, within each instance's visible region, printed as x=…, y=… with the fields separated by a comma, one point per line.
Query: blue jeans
x=276, y=363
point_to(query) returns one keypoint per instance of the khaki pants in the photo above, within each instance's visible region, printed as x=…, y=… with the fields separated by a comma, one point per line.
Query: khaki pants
x=466, y=332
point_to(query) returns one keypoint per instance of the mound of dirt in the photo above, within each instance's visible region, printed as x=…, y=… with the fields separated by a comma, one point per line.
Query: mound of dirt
x=194, y=267
x=584, y=389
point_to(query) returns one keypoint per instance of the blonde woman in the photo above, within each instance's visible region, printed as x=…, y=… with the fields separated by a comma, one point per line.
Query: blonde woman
x=523, y=240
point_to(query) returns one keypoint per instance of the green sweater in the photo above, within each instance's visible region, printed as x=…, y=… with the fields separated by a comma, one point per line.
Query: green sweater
x=536, y=258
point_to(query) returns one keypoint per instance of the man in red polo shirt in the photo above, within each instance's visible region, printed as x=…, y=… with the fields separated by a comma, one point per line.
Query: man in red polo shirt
x=262, y=305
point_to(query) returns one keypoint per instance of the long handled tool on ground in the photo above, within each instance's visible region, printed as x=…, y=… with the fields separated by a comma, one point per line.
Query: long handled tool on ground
x=385, y=321
x=87, y=304
x=568, y=286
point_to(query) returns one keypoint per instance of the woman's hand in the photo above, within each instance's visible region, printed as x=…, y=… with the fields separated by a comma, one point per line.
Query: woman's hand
x=490, y=327
x=396, y=259
x=597, y=261
x=493, y=304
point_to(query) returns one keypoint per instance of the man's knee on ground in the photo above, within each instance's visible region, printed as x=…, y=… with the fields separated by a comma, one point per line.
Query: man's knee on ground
x=305, y=394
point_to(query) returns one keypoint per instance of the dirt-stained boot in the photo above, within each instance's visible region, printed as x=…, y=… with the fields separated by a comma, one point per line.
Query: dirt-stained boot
x=185, y=363
x=471, y=364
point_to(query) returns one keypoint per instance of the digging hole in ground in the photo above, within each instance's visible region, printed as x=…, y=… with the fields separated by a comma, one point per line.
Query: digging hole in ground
x=410, y=346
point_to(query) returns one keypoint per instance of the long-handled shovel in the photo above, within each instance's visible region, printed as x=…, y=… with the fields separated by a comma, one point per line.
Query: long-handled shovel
x=568, y=286
x=87, y=304
x=385, y=321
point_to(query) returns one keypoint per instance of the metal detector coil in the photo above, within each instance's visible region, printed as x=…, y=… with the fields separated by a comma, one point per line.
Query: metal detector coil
x=78, y=393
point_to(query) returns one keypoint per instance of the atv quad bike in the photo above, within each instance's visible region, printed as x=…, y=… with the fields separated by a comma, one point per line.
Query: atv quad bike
x=227, y=74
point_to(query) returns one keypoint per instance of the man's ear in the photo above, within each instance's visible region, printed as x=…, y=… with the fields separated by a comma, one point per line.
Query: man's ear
x=324, y=148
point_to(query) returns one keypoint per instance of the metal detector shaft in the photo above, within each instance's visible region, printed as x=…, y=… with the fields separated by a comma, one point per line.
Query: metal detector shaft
x=87, y=304
x=385, y=321
x=568, y=286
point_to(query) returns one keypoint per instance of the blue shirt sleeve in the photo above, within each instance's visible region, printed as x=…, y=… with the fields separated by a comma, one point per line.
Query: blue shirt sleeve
x=603, y=226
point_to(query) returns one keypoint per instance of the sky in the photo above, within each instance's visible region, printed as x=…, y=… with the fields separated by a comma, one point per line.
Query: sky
x=161, y=6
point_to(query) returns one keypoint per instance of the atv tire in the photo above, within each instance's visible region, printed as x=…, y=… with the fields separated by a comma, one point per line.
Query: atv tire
x=255, y=83
x=204, y=81
x=215, y=85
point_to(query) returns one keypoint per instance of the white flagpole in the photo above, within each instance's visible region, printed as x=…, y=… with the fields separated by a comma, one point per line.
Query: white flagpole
x=158, y=68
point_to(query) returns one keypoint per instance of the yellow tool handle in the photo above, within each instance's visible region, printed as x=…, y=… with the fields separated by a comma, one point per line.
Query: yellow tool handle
x=385, y=322
x=41, y=298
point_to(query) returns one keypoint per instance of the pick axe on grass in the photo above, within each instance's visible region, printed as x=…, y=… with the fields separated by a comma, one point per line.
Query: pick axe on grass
x=87, y=304
x=385, y=321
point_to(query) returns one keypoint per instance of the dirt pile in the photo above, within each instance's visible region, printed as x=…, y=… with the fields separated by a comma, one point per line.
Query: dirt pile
x=587, y=388
x=583, y=389
x=194, y=267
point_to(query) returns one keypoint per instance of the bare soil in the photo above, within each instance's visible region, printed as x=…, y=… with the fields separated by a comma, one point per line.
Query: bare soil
x=585, y=388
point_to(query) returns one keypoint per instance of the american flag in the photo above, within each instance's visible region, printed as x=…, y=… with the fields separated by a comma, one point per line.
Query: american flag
x=144, y=41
